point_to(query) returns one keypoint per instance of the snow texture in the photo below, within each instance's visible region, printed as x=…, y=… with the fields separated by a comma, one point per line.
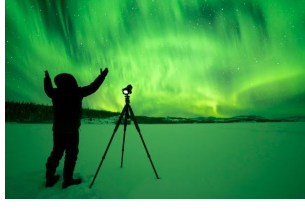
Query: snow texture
x=194, y=161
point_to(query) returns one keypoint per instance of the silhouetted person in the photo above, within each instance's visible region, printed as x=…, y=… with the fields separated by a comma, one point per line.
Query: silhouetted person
x=67, y=105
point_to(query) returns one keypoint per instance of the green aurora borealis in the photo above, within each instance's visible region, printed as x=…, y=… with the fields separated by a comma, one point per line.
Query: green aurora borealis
x=184, y=58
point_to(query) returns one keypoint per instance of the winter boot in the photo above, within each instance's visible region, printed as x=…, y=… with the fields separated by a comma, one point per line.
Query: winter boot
x=70, y=182
x=51, y=181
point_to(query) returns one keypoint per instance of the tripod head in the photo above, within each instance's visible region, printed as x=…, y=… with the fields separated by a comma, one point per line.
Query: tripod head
x=127, y=91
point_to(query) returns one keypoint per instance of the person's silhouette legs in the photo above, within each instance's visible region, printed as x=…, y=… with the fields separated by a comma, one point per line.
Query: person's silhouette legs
x=53, y=160
x=70, y=160
x=63, y=142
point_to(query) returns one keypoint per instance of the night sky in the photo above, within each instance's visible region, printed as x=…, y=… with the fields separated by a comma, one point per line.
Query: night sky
x=184, y=58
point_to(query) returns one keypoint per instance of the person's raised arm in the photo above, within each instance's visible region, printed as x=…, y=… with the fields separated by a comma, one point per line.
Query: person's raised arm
x=48, y=87
x=94, y=86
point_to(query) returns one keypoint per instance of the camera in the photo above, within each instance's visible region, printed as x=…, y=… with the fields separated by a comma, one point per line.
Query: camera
x=127, y=90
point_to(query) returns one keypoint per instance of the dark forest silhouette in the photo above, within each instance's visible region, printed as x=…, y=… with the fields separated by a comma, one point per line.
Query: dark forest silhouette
x=25, y=112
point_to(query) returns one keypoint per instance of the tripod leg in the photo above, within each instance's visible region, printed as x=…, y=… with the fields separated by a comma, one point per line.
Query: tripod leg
x=125, y=125
x=138, y=129
x=115, y=130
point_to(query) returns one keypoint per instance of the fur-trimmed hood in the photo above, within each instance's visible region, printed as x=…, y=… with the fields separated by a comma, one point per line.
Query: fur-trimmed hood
x=65, y=81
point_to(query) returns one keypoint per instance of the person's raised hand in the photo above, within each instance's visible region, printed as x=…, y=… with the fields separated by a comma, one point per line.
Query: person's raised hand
x=46, y=73
x=105, y=72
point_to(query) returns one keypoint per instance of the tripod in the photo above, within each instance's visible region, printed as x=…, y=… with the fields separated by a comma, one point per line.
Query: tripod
x=126, y=110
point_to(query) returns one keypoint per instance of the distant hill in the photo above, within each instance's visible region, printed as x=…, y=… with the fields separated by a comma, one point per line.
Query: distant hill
x=34, y=113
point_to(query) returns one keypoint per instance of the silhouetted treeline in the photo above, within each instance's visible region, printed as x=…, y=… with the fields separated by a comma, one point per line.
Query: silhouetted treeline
x=34, y=113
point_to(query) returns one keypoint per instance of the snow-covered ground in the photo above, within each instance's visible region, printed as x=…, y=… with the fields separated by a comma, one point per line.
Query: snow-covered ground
x=194, y=161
